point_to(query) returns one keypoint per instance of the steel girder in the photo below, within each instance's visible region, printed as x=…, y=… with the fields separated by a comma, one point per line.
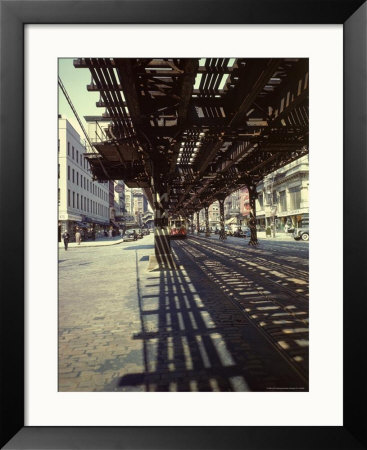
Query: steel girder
x=204, y=128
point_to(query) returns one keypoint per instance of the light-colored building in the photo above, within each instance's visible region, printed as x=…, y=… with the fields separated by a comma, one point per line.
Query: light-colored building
x=128, y=201
x=214, y=215
x=139, y=205
x=283, y=197
x=83, y=202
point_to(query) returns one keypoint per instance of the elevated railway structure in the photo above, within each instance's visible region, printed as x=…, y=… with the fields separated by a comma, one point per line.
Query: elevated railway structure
x=191, y=131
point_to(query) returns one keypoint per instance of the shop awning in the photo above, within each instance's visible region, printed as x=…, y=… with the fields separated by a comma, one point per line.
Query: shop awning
x=82, y=225
x=231, y=221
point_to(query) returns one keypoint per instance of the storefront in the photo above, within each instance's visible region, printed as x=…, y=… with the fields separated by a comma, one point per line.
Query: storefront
x=69, y=223
x=261, y=221
x=293, y=219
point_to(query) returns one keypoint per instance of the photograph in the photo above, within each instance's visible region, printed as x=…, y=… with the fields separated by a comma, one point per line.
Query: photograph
x=183, y=224
x=159, y=287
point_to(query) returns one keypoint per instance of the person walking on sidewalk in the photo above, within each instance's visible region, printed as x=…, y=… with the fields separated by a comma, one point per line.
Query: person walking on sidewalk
x=66, y=237
x=78, y=237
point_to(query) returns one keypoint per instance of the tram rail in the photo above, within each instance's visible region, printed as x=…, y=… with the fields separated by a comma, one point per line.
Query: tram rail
x=280, y=314
x=287, y=270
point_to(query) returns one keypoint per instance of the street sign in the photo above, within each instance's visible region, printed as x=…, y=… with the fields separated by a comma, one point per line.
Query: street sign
x=119, y=189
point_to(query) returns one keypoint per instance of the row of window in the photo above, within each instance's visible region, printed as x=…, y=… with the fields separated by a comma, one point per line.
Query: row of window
x=84, y=183
x=294, y=199
x=78, y=157
x=85, y=204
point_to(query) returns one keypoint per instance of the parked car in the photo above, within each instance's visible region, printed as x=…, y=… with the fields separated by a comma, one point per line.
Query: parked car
x=129, y=236
x=301, y=234
x=140, y=233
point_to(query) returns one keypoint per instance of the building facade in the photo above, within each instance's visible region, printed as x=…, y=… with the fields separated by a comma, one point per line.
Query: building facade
x=283, y=197
x=83, y=203
x=139, y=205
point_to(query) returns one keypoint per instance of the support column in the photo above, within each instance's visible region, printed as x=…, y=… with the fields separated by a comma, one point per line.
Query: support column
x=162, y=246
x=192, y=223
x=207, y=229
x=197, y=222
x=252, y=221
x=222, y=232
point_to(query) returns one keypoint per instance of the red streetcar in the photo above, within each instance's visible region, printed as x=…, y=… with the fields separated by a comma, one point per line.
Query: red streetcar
x=178, y=228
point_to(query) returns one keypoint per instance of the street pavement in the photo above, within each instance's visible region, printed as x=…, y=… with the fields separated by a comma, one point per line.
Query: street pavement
x=123, y=328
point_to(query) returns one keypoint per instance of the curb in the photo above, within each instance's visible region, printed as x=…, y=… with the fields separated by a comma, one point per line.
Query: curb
x=89, y=246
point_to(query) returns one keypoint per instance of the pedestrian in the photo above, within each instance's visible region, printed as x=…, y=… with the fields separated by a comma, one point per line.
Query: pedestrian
x=78, y=237
x=66, y=237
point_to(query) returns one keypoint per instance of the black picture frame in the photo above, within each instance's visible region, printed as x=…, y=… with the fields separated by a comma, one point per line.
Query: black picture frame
x=14, y=15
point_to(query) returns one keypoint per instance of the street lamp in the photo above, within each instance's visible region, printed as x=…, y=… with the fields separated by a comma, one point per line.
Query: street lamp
x=273, y=212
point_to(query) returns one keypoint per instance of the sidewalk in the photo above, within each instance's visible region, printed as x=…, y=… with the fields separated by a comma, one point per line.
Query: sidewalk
x=97, y=243
x=260, y=234
x=279, y=236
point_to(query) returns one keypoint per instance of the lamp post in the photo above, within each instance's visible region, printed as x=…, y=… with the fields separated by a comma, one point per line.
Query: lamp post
x=273, y=212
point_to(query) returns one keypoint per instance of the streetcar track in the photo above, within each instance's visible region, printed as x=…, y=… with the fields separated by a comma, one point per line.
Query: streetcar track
x=252, y=251
x=221, y=274
x=300, y=297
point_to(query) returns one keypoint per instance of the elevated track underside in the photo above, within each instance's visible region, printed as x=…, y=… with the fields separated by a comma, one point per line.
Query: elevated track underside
x=195, y=130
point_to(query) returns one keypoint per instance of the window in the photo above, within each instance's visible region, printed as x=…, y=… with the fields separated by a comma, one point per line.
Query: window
x=58, y=171
x=69, y=173
x=261, y=199
x=72, y=152
x=73, y=199
x=81, y=202
x=68, y=197
x=81, y=180
x=87, y=185
x=73, y=176
x=68, y=148
x=295, y=197
x=88, y=205
x=77, y=178
x=85, y=204
x=77, y=201
x=84, y=182
x=282, y=201
x=77, y=156
x=58, y=145
x=58, y=196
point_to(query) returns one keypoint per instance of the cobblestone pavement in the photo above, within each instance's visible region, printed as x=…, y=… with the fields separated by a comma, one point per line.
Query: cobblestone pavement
x=122, y=328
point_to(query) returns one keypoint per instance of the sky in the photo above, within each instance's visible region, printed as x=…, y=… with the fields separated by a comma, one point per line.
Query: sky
x=75, y=82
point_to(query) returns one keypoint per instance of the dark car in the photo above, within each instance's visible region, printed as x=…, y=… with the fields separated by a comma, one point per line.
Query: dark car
x=301, y=234
x=246, y=232
x=140, y=233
